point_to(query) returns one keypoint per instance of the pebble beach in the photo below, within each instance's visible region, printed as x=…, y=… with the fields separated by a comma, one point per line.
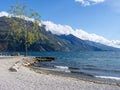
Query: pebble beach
x=26, y=79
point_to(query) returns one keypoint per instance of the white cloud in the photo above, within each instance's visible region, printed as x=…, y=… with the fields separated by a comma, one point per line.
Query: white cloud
x=83, y=2
x=57, y=28
x=4, y=14
x=89, y=2
x=65, y=29
x=97, y=1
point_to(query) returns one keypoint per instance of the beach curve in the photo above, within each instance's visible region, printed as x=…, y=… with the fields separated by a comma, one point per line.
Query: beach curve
x=26, y=79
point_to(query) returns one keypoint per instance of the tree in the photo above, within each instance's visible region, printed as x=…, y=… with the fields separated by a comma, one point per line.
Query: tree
x=24, y=25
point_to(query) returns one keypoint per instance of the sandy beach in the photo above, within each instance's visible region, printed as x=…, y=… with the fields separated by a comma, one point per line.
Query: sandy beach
x=26, y=79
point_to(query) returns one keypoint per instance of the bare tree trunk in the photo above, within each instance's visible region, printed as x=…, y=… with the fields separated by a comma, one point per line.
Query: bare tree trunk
x=26, y=39
x=26, y=48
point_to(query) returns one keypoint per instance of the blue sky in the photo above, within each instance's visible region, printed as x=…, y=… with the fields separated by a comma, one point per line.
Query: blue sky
x=101, y=17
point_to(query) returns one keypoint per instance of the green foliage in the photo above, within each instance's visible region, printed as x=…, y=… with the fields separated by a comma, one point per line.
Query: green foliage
x=21, y=26
x=31, y=38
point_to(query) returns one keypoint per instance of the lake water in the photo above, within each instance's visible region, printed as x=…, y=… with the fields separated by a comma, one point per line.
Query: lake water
x=93, y=65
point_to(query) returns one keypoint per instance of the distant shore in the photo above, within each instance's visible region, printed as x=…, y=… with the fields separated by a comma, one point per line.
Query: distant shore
x=27, y=79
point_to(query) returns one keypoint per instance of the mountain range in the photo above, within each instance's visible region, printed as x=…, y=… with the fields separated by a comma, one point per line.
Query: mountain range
x=54, y=42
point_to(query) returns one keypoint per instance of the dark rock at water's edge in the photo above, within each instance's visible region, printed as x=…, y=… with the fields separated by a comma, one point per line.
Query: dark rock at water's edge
x=15, y=54
x=30, y=61
x=42, y=59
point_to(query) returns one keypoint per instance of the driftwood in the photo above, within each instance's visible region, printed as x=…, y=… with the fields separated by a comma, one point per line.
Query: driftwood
x=15, y=67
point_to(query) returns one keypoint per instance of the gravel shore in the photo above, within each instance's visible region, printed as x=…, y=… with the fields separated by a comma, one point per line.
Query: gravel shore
x=26, y=79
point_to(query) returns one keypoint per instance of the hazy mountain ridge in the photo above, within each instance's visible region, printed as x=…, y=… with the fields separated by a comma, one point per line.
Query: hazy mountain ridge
x=59, y=29
x=52, y=43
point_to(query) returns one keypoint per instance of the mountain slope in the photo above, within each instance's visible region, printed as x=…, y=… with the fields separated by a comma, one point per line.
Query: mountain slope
x=51, y=43
x=102, y=46
x=77, y=44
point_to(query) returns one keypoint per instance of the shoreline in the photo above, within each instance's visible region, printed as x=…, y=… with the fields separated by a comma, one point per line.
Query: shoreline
x=28, y=79
x=60, y=74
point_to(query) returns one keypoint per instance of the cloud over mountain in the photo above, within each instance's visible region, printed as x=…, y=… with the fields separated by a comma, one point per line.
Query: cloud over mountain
x=4, y=14
x=89, y=2
x=59, y=29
